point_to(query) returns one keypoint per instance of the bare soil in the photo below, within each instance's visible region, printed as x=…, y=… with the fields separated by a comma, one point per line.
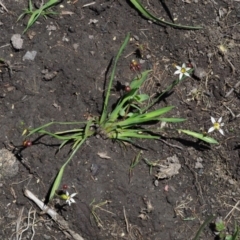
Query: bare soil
x=77, y=48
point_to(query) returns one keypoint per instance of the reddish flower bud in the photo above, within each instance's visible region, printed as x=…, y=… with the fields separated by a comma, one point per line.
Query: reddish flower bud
x=127, y=88
x=135, y=66
x=27, y=143
x=64, y=186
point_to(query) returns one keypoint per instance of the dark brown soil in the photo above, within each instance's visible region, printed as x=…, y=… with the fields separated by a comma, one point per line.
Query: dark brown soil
x=78, y=53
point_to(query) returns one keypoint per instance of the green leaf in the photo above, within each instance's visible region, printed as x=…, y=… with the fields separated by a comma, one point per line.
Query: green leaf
x=236, y=233
x=134, y=85
x=56, y=183
x=205, y=223
x=122, y=113
x=35, y=14
x=141, y=97
x=229, y=237
x=105, y=105
x=129, y=134
x=144, y=118
x=199, y=136
x=173, y=120
x=148, y=15
x=138, y=81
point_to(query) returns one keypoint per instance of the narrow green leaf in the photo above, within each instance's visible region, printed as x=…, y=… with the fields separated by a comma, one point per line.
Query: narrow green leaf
x=157, y=112
x=58, y=179
x=129, y=135
x=30, y=5
x=143, y=118
x=148, y=15
x=105, y=105
x=173, y=120
x=50, y=4
x=236, y=233
x=56, y=183
x=205, y=223
x=141, y=97
x=199, y=136
x=139, y=80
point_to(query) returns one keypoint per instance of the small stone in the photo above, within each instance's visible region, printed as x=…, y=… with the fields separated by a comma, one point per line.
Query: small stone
x=30, y=55
x=199, y=73
x=71, y=29
x=198, y=165
x=51, y=28
x=9, y=165
x=47, y=237
x=231, y=181
x=75, y=46
x=48, y=75
x=17, y=41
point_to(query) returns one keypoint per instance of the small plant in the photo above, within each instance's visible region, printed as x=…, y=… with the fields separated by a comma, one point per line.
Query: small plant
x=221, y=231
x=133, y=164
x=43, y=10
x=130, y=119
x=94, y=207
x=219, y=228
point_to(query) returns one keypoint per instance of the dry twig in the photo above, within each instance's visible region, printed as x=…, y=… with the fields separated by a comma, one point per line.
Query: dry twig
x=3, y=6
x=64, y=226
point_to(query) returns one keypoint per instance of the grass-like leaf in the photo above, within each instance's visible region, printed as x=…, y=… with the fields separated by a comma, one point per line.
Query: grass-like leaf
x=75, y=148
x=172, y=120
x=199, y=136
x=105, y=105
x=205, y=223
x=35, y=14
x=151, y=17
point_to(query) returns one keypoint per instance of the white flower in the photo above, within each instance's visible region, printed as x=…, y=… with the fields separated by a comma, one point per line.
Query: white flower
x=216, y=125
x=70, y=199
x=182, y=71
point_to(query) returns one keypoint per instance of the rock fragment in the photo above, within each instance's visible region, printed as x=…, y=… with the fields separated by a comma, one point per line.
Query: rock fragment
x=17, y=41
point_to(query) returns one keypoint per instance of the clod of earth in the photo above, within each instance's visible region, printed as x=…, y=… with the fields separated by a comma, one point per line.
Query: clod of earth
x=8, y=164
x=169, y=168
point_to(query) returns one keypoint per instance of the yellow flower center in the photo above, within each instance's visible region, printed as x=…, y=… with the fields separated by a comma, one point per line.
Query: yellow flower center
x=216, y=125
x=183, y=70
x=64, y=197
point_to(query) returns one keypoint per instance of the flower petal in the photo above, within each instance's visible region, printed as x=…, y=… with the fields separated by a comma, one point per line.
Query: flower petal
x=211, y=129
x=73, y=195
x=180, y=75
x=220, y=119
x=187, y=74
x=177, y=72
x=213, y=120
x=178, y=67
x=221, y=131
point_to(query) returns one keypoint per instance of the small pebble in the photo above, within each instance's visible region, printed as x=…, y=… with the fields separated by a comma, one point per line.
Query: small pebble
x=199, y=73
x=17, y=41
x=30, y=55
x=231, y=181
x=198, y=165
